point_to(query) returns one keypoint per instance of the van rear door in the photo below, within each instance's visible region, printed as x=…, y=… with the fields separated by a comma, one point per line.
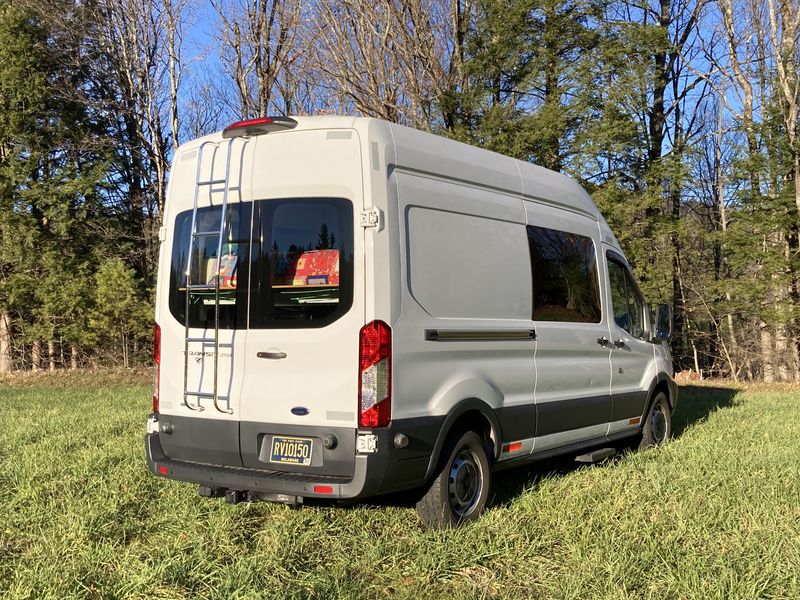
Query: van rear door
x=306, y=299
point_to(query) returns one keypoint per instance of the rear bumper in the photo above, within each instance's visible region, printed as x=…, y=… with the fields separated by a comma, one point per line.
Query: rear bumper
x=366, y=480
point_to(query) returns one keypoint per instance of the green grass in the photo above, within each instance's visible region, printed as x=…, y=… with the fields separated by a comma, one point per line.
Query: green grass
x=715, y=514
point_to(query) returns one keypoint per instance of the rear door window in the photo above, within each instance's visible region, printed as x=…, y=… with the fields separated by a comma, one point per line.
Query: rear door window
x=282, y=264
x=210, y=260
x=302, y=273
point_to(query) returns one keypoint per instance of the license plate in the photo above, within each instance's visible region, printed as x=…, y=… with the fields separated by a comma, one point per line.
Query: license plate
x=291, y=450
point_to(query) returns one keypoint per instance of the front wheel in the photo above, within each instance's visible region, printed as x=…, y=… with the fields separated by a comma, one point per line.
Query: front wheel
x=461, y=487
x=658, y=424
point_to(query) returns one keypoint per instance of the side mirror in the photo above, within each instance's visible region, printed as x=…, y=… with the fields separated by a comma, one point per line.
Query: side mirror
x=663, y=322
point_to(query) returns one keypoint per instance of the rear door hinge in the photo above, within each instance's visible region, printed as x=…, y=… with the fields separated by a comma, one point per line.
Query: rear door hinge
x=162, y=233
x=372, y=217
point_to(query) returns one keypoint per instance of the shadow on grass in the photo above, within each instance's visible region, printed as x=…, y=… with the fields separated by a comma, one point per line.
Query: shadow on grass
x=695, y=403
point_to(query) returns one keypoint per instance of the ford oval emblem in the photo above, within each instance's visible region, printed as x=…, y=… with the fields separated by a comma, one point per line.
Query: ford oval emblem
x=300, y=411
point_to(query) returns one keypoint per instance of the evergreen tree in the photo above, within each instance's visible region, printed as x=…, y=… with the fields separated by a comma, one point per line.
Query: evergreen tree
x=51, y=167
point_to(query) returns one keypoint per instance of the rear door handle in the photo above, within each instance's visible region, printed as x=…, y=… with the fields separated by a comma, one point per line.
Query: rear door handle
x=603, y=341
x=271, y=355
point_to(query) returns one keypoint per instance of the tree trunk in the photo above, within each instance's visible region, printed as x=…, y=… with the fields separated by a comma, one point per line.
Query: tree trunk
x=6, y=359
x=73, y=357
x=36, y=356
x=767, y=342
x=51, y=356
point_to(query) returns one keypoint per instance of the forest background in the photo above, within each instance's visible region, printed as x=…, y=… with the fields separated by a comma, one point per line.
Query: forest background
x=680, y=117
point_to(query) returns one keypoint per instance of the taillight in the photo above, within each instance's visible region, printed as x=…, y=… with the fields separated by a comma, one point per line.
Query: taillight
x=258, y=126
x=157, y=361
x=375, y=370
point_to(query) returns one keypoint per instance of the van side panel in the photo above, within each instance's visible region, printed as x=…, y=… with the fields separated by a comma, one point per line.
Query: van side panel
x=465, y=304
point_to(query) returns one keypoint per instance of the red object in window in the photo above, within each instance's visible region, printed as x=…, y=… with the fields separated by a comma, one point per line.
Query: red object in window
x=314, y=267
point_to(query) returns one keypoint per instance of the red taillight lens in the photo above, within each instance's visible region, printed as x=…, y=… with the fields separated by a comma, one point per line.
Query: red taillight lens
x=157, y=361
x=375, y=375
x=257, y=126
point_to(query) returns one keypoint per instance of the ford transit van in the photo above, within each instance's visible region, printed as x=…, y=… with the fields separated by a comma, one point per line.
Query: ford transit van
x=347, y=307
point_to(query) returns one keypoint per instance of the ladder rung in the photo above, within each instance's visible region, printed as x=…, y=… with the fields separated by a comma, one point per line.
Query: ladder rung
x=233, y=188
x=205, y=233
x=210, y=182
x=205, y=395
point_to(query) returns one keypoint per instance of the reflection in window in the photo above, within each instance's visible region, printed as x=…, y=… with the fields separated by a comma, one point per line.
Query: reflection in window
x=305, y=268
x=565, y=283
x=626, y=301
x=283, y=263
x=206, y=267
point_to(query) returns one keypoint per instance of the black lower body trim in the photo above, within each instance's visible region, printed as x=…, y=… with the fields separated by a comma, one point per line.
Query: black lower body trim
x=565, y=415
x=562, y=450
x=628, y=405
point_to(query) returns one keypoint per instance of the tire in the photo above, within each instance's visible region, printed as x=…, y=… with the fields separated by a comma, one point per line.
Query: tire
x=657, y=427
x=459, y=492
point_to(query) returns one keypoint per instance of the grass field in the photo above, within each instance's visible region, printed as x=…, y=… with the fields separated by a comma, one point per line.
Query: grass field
x=714, y=514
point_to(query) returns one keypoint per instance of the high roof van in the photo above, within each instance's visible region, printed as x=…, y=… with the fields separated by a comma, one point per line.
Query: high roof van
x=347, y=307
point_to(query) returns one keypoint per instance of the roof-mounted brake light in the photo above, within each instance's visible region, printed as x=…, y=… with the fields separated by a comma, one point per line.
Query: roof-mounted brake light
x=258, y=126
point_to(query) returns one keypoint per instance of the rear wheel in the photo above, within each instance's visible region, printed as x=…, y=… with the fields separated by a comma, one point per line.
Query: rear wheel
x=658, y=424
x=461, y=487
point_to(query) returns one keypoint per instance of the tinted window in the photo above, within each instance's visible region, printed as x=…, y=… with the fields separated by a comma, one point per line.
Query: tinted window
x=205, y=268
x=626, y=301
x=565, y=283
x=302, y=272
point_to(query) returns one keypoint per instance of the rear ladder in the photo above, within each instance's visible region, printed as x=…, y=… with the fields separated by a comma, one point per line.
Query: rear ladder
x=195, y=288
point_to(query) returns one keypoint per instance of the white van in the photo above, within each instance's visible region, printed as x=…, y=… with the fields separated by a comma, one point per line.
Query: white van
x=348, y=307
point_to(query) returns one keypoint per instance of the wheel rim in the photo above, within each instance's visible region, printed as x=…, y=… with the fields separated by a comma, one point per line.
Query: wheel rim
x=465, y=483
x=658, y=424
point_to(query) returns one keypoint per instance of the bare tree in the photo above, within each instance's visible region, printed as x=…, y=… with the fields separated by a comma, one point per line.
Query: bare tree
x=259, y=40
x=393, y=59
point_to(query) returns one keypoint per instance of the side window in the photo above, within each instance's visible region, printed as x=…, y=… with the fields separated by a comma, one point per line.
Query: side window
x=565, y=281
x=465, y=266
x=626, y=301
x=635, y=306
x=619, y=295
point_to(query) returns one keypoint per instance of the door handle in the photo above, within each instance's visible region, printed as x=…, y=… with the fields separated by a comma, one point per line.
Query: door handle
x=271, y=355
x=603, y=341
x=620, y=343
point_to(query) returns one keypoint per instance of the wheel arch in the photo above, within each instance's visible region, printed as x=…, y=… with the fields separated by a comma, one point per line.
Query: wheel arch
x=469, y=414
x=662, y=383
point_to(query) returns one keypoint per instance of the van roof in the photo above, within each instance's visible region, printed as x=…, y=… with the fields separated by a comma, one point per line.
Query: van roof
x=435, y=155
